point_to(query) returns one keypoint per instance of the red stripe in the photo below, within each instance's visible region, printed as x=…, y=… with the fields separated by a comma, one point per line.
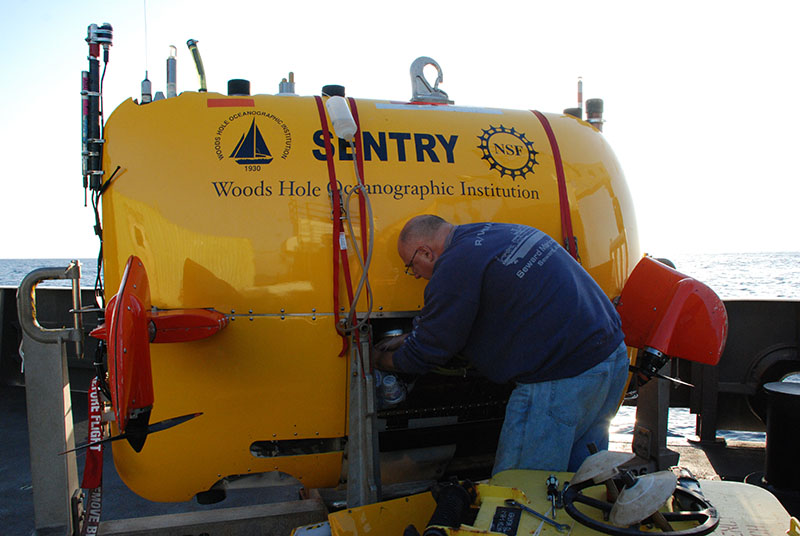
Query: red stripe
x=563, y=198
x=229, y=103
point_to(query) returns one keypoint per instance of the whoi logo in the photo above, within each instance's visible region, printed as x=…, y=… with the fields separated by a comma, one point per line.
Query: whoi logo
x=266, y=138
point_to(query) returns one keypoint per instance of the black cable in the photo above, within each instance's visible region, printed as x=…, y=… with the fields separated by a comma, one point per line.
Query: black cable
x=98, y=229
x=101, y=369
x=102, y=78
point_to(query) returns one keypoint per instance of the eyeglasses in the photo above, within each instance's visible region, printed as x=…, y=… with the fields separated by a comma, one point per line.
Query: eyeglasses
x=410, y=266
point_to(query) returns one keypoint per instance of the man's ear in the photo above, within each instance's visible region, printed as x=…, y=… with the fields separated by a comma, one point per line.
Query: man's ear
x=428, y=252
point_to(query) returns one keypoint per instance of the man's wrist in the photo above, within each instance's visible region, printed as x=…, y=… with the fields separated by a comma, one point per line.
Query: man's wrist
x=384, y=360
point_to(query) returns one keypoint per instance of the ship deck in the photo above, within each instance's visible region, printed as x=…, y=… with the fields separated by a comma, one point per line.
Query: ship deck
x=731, y=460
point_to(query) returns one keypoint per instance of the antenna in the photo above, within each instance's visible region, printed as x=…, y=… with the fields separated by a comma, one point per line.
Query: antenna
x=144, y=7
x=172, y=72
x=147, y=90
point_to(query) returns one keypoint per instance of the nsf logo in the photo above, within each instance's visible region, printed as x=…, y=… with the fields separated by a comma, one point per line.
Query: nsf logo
x=507, y=151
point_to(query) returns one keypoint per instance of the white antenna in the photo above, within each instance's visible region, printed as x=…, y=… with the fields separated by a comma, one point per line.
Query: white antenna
x=147, y=88
x=144, y=6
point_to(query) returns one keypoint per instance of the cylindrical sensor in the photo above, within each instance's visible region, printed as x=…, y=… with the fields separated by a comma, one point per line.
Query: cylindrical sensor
x=343, y=123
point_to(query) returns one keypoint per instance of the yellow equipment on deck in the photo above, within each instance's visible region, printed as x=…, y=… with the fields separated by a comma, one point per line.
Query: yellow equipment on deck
x=738, y=509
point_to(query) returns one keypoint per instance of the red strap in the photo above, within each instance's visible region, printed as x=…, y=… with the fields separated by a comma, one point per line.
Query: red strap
x=359, y=156
x=346, y=269
x=570, y=242
x=337, y=224
x=93, y=508
x=93, y=469
x=362, y=205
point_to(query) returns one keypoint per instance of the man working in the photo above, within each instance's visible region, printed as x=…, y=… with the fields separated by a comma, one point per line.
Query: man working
x=512, y=300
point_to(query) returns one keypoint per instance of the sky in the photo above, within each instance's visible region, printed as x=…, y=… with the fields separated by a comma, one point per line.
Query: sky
x=700, y=97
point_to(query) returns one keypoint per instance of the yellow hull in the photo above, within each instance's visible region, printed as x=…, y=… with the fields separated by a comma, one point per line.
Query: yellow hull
x=253, y=237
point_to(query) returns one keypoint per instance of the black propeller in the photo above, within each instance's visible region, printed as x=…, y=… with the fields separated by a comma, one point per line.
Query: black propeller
x=650, y=374
x=136, y=435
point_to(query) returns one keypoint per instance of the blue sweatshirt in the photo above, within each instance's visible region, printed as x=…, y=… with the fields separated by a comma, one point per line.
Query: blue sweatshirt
x=516, y=304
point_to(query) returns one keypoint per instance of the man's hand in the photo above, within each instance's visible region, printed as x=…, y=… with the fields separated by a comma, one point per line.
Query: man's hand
x=390, y=344
x=382, y=352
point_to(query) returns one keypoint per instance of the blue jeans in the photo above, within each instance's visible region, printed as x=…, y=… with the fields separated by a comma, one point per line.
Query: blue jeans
x=548, y=425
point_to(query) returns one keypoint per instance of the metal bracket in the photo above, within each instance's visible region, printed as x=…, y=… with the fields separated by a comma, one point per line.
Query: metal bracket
x=54, y=474
x=421, y=90
x=78, y=513
x=652, y=417
x=363, y=463
x=26, y=299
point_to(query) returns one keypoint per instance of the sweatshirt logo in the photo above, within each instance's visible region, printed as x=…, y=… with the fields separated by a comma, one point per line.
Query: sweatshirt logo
x=507, y=151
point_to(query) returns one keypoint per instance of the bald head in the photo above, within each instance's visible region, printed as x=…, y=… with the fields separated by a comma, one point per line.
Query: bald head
x=421, y=243
x=422, y=228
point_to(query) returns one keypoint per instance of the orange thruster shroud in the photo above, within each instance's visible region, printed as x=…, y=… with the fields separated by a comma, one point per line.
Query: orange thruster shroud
x=668, y=314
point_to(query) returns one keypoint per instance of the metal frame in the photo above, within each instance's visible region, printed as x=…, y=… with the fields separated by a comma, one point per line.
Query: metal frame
x=363, y=461
x=49, y=405
x=650, y=428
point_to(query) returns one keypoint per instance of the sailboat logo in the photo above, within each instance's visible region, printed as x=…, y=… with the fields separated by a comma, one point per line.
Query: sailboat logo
x=252, y=149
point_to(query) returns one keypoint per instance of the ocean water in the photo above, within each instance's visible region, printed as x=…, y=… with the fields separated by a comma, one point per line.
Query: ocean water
x=745, y=275
x=13, y=271
x=730, y=275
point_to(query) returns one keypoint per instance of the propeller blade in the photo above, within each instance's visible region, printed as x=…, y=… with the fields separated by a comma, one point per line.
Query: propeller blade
x=169, y=423
x=151, y=429
x=649, y=374
x=94, y=443
x=673, y=380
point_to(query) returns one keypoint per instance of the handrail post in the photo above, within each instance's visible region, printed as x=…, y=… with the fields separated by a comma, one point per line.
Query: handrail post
x=49, y=406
